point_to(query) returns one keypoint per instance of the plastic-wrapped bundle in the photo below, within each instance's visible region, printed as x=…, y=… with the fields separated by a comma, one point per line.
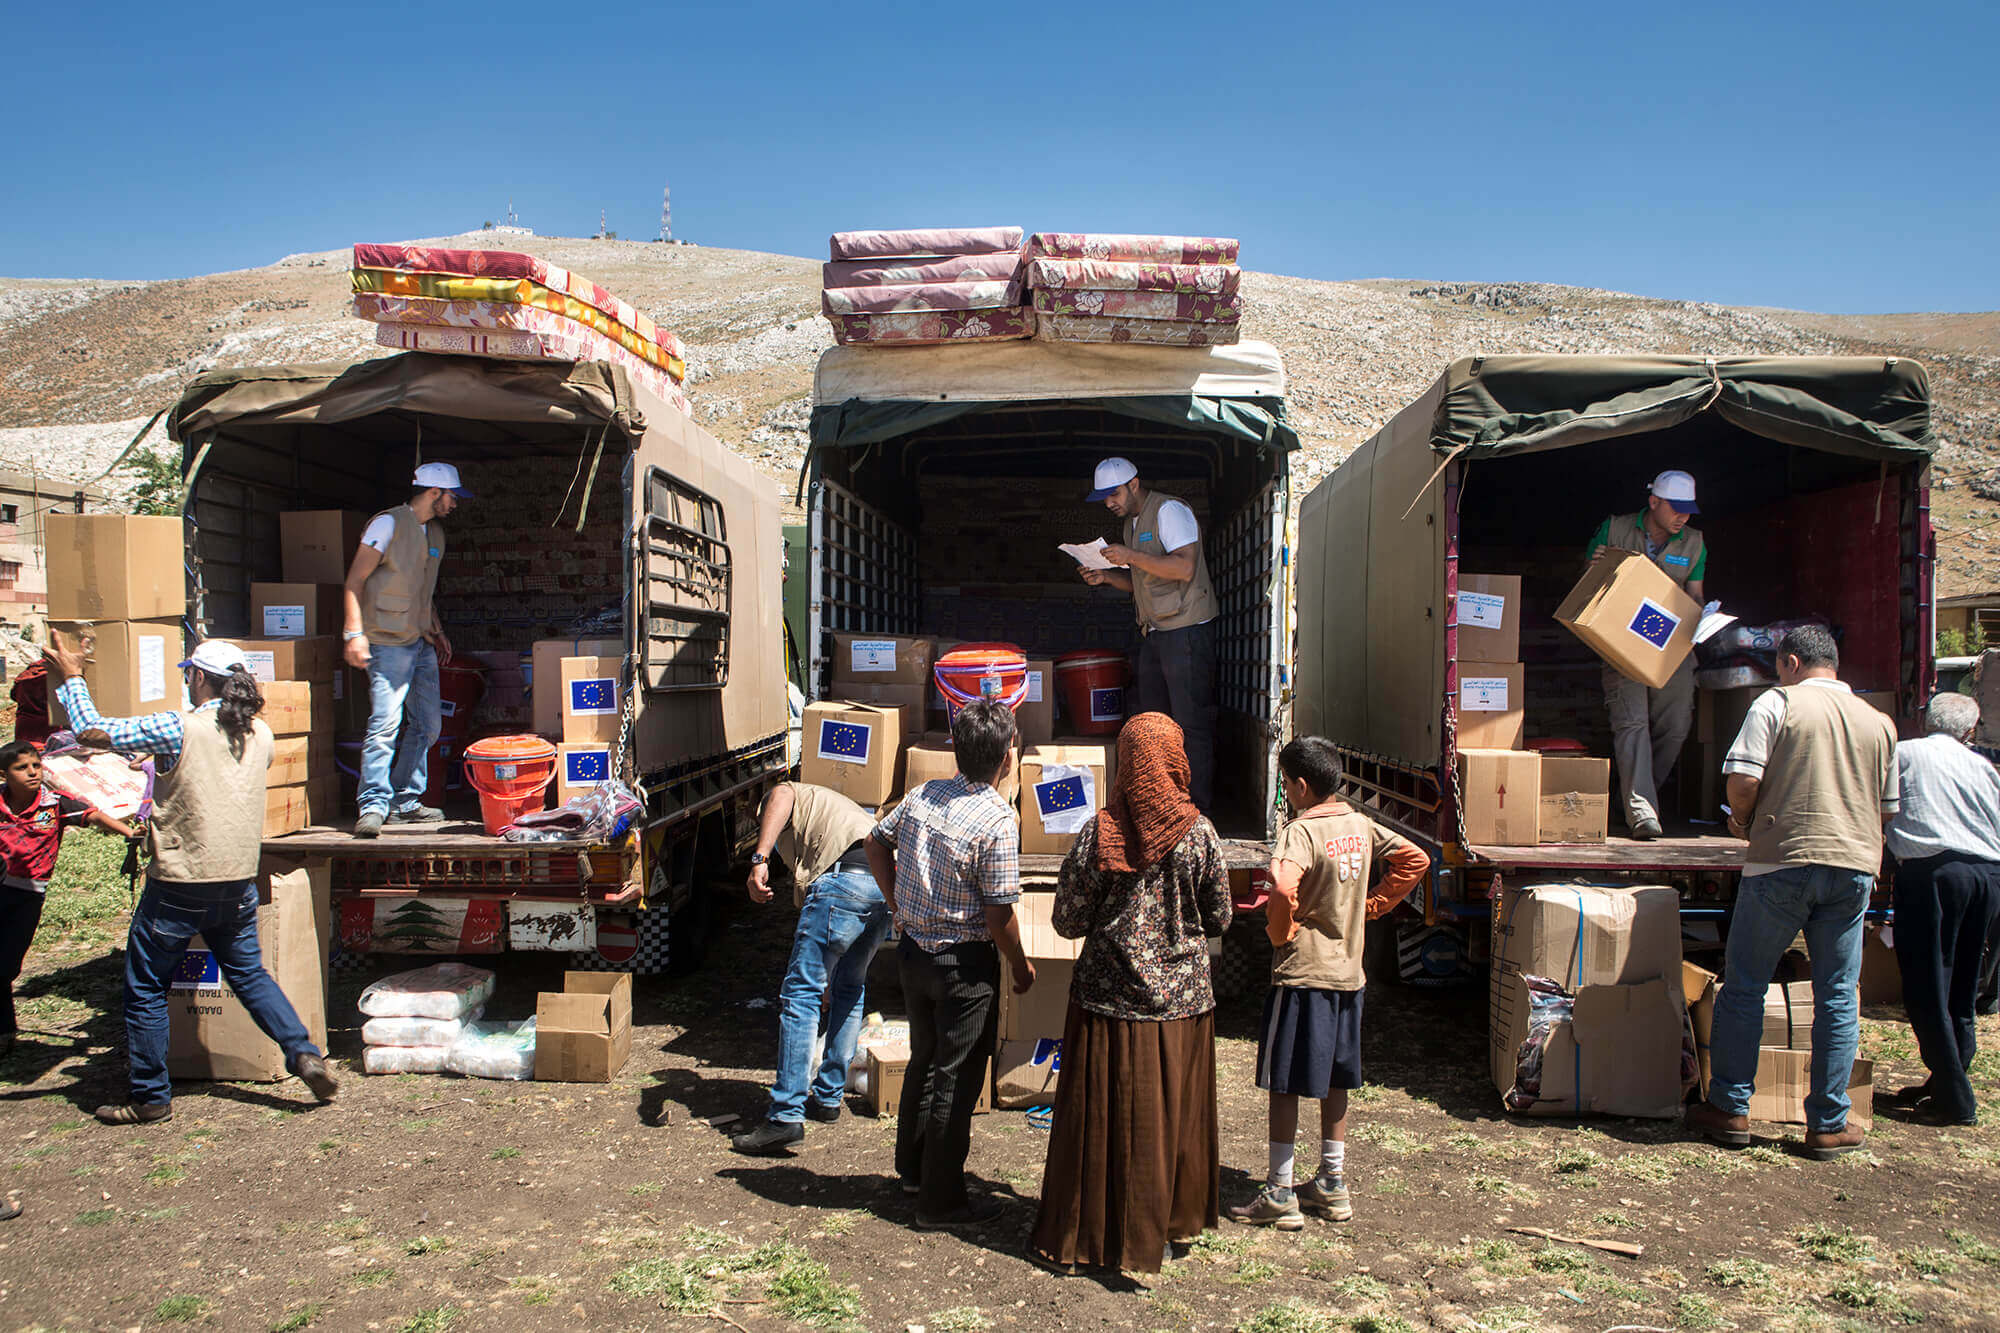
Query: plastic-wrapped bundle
x=445, y=990
x=405, y=1059
x=1548, y=1005
x=416, y=1031
x=495, y=1050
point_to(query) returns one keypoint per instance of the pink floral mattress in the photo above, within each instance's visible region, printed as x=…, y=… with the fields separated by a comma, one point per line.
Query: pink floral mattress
x=1000, y=267
x=923, y=242
x=911, y=328
x=508, y=315
x=1143, y=305
x=1132, y=249
x=919, y=296
x=520, y=345
x=1115, y=275
x=1121, y=329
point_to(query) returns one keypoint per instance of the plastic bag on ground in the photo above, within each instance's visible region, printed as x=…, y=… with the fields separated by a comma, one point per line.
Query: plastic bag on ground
x=495, y=1050
x=416, y=1031
x=405, y=1059
x=445, y=990
x=1548, y=1005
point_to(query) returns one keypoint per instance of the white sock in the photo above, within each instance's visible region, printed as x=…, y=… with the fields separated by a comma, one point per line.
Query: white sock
x=1332, y=1156
x=1281, y=1165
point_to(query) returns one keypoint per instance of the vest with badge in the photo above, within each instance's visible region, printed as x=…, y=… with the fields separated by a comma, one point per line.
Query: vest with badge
x=1679, y=557
x=208, y=809
x=1820, y=799
x=396, y=600
x=1162, y=603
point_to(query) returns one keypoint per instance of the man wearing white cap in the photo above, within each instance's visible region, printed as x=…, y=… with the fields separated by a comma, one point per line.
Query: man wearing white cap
x=1161, y=563
x=1648, y=727
x=392, y=629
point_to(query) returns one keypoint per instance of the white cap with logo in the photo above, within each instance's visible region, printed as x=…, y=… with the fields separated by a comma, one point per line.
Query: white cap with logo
x=1111, y=474
x=218, y=657
x=443, y=476
x=1677, y=489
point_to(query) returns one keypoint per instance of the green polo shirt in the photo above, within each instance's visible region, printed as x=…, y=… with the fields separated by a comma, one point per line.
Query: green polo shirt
x=1675, y=543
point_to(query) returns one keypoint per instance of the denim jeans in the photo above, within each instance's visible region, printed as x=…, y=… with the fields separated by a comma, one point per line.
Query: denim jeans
x=1826, y=902
x=402, y=697
x=841, y=926
x=1176, y=676
x=225, y=916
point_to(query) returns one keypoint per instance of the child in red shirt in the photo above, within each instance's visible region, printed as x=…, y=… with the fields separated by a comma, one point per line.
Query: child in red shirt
x=32, y=820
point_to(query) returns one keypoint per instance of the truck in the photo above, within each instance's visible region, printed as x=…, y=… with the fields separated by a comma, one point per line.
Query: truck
x=1814, y=492
x=940, y=481
x=582, y=479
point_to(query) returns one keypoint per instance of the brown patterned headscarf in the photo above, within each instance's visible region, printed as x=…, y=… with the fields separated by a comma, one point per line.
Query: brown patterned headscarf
x=1149, y=810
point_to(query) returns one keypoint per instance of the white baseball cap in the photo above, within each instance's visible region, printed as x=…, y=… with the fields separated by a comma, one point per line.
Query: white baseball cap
x=1111, y=474
x=1677, y=489
x=218, y=657
x=443, y=476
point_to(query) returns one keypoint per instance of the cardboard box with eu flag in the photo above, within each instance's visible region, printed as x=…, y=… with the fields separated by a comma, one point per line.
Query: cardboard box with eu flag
x=209, y=1032
x=852, y=749
x=1062, y=789
x=590, y=698
x=1632, y=615
x=581, y=767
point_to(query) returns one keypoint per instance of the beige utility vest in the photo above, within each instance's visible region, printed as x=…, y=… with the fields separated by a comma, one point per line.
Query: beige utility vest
x=1820, y=801
x=396, y=600
x=1162, y=603
x=1679, y=558
x=208, y=809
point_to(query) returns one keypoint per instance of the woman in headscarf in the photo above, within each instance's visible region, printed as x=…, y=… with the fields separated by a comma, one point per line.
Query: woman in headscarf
x=1134, y=1161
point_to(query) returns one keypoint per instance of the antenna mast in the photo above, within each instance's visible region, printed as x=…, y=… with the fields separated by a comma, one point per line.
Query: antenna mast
x=667, y=214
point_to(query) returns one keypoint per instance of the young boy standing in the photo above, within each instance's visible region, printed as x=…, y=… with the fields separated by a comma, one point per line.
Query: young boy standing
x=1310, y=1045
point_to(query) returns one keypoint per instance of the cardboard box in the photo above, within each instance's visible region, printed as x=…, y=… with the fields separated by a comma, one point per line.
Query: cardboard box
x=1784, y=1078
x=1025, y=1072
x=115, y=567
x=852, y=749
x=888, y=1069
x=1043, y=1011
x=1617, y=950
x=1881, y=974
x=1492, y=709
x=297, y=708
x=583, y=1033
x=934, y=758
x=1489, y=617
x=591, y=698
x=1632, y=615
x=284, y=810
x=1788, y=1015
x=1108, y=744
x=317, y=659
x=1576, y=798
x=1062, y=789
x=295, y=610
x=907, y=700
x=209, y=1032
x=545, y=664
x=1502, y=794
x=131, y=666
x=1036, y=715
x=580, y=768
x=1882, y=701
x=1719, y=714
x=292, y=760
x=318, y=545
x=882, y=659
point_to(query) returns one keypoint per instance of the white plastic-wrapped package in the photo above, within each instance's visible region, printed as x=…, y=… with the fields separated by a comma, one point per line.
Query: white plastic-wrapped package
x=405, y=1059
x=495, y=1050
x=445, y=990
x=416, y=1031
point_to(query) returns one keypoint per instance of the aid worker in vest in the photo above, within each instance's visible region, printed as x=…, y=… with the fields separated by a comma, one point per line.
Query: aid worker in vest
x=1648, y=727
x=204, y=840
x=392, y=630
x=1162, y=565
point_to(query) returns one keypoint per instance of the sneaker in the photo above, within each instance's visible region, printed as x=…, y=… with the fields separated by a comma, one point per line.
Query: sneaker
x=768, y=1139
x=1273, y=1207
x=1326, y=1196
x=417, y=814
x=824, y=1112
x=136, y=1113
x=369, y=825
x=313, y=1071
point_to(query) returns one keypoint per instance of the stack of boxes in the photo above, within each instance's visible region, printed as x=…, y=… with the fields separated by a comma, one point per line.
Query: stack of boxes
x=117, y=594
x=861, y=739
x=310, y=695
x=590, y=701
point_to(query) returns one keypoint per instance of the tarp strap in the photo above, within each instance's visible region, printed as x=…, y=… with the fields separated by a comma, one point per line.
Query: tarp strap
x=1881, y=484
x=126, y=452
x=590, y=482
x=1455, y=452
x=573, y=477
x=420, y=441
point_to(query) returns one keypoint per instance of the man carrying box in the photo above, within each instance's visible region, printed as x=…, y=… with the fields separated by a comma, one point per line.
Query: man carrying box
x=1648, y=727
x=391, y=629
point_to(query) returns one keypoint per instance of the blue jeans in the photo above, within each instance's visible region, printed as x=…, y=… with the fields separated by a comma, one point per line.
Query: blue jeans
x=841, y=926
x=1826, y=902
x=225, y=916
x=402, y=680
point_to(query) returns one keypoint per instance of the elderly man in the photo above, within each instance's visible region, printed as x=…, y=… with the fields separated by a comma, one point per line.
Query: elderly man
x=1812, y=781
x=1946, y=839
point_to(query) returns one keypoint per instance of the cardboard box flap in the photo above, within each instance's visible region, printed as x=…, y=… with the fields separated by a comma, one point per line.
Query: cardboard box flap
x=1620, y=1054
x=561, y=1012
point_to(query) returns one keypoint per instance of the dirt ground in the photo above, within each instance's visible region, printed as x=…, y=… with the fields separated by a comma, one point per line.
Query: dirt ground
x=424, y=1203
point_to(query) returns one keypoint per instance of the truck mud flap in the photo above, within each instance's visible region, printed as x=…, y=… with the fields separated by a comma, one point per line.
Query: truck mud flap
x=635, y=942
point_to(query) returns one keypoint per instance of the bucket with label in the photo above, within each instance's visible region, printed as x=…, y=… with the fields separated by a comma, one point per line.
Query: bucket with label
x=511, y=775
x=976, y=671
x=1093, y=691
x=460, y=688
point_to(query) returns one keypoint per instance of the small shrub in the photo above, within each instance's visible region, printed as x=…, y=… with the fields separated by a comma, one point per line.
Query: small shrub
x=1252, y=1271
x=302, y=1317
x=1293, y=1316
x=1830, y=1244
x=1930, y=1261
x=1552, y=1260
x=180, y=1309
x=1575, y=1161
x=960, y=1319
x=434, y=1319
x=804, y=1290
x=504, y=1154
x=1692, y=1311
x=1978, y=1250
x=1738, y=1273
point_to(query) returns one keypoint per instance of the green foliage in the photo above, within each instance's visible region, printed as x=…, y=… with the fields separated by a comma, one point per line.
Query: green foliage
x=1293, y=1317
x=159, y=489
x=960, y=1319
x=804, y=1290
x=180, y=1309
x=1738, y=1273
x=434, y=1319
x=302, y=1317
x=426, y=1245
x=1692, y=1311
x=1552, y=1260
x=1961, y=643
x=1833, y=1245
x=1979, y=1250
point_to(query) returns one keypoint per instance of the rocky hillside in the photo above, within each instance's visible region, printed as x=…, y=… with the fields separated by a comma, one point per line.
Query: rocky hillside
x=83, y=364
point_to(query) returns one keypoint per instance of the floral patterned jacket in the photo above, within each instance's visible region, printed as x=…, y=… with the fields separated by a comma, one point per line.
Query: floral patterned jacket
x=1145, y=951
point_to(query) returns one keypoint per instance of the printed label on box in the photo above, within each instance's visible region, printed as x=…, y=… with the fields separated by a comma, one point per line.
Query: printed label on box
x=1482, y=694
x=449, y=708
x=596, y=697
x=586, y=768
x=1486, y=609
x=1034, y=687
x=152, y=667
x=284, y=622
x=198, y=970
x=844, y=742
x=1107, y=705
x=1654, y=623
x=264, y=666
x=872, y=655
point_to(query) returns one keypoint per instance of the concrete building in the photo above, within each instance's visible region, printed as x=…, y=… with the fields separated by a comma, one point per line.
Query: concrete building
x=26, y=498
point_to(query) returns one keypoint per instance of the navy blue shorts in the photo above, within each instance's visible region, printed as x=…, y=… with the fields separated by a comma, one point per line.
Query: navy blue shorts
x=1310, y=1043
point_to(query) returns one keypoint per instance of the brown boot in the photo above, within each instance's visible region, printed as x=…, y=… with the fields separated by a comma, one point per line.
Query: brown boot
x=1717, y=1125
x=1823, y=1145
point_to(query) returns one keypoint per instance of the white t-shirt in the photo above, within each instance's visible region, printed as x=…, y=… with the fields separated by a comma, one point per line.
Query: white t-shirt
x=1752, y=749
x=1177, y=526
x=380, y=529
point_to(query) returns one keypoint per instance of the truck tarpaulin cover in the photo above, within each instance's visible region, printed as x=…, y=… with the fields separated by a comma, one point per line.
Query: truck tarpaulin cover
x=864, y=395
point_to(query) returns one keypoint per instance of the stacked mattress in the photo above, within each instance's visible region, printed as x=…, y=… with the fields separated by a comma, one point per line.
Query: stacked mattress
x=1174, y=291
x=936, y=285
x=513, y=306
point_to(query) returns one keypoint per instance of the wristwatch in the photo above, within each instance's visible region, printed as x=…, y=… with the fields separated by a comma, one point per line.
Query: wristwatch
x=758, y=858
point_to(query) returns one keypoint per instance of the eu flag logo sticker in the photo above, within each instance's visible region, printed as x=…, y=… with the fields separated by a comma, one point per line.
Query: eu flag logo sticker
x=1055, y=797
x=594, y=697
x=1065, y=798
x=198, y=970
x=845, y=742
x=1654, y=623
x=586, y=768
x=1107, y=705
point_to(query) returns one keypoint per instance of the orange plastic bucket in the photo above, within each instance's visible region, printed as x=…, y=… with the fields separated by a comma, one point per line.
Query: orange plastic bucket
x=978, y=671
x=511, y=775
x=1093, y=691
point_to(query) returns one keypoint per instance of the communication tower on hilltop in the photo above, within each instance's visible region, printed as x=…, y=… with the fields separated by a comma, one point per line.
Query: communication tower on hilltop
x=667, y=215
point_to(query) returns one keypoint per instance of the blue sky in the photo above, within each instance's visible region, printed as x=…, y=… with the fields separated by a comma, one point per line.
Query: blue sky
x=1830, y=156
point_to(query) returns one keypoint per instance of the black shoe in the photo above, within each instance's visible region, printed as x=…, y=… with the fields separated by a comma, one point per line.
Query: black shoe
x=312, y=1069
x=767, y=1140
x=909, y=1187
x=369, y=825
x=9, y=1210
x=136, y=1113
x=1904, y=1096
x=824, y=1112
x=975, y=1214
x=1645, y=830
x=417, y=814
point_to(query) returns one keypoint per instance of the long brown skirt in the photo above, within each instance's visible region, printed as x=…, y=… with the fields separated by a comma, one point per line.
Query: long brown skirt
x=1134, y=1160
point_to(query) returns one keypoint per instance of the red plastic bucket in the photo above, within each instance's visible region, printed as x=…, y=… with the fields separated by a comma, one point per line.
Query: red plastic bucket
x=511, y=775
x=460, y=688
x=978, y=671
x=1093, y=691
x=441, y=775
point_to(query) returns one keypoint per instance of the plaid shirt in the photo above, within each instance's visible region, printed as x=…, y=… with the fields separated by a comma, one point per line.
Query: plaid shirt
x=154, y=733
x=958, y=852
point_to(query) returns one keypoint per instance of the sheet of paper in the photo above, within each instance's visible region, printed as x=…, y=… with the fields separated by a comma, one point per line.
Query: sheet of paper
x=1090, y=556
x=1713, y=618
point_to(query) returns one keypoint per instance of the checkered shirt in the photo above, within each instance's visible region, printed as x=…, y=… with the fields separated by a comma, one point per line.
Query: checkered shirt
x=958, y=852
x=153, y=733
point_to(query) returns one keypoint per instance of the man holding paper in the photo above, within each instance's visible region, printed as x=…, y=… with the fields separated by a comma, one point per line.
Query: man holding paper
x=1161, y=563
x=1648, y=727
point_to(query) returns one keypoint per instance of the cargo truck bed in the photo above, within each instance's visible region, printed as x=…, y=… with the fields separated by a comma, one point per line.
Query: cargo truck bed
x=1693, y=852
